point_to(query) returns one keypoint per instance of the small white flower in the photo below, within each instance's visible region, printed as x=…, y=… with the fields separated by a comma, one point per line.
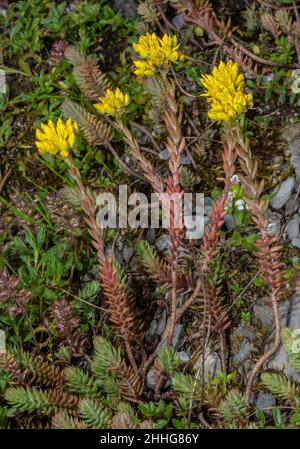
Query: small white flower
x=235, y=179
x=240, y=204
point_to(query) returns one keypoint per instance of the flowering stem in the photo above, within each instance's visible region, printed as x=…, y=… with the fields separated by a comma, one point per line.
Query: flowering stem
x=268, y=251
x=108, y=278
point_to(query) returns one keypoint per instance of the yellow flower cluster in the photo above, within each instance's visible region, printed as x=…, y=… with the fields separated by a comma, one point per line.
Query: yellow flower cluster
x=112, y=102
x=225, y=90
x=57, y=138
x=155, y=52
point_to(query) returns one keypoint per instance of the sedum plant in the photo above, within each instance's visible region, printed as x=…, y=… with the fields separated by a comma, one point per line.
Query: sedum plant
x=109, y=387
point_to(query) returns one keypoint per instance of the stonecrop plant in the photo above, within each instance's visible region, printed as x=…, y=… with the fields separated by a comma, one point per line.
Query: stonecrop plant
x=129, y=348
x=112, y=102
x=225, y=89
x=56, y=138
x=155, y=53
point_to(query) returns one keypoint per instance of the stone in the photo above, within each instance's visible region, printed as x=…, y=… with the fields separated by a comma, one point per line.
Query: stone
x=290, y=317
x=293, y=227
x=292, y=205
x=295, y=260
x=185, y=160
x=295, y=147
x=127, y=253
x=183, y=356
x=194, y=229
x=212, y=364
x=164, y=155
x=264, y=312
x=178, y=336
x=296, y=243
x=163, y=243
x=150, y=236
x=293, y=312
x=128, y=9
x=179, y=20
x=281, y=362
x=230, y=222
x=274, y=227
x=243, y=353
x=151, y=379
x=152, y=328
x=291, y=133
x=265, y=401
x=283, y=193
x=295, y=163
x=91, y=275
x=245, y=331
x=161, y=324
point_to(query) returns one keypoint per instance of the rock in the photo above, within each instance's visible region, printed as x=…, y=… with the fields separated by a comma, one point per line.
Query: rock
x=293, y=312
x=150, y=236
x=296, y=243
x=163, y=243
x=164, y=155
x=265, y=401
x=161, y=325
x=127, y=253
x=183, y=356
x=178, y=336
x=212, y=364
x=291, y=133
x=283, y=193
x=290, y=317
x=91, y=275
x=281, y=362
x=295, y=146
x=179, y=20
x=292, y=205
x=208, y=205
x=185, y=160
x=151, y=379
x=128, y=9
x=245, y=331
x=295, y=260
x=295, y=163
x=230, y=222
x=292, y=136
x=243, y=352
x=152, y=328
x=194, y=229
x=293, y=227
x=264, y=312
x=274, y=227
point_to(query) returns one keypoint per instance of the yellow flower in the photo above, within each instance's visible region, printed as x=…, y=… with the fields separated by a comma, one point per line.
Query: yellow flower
x=144, y=68
x=169, y=48
x=58, y=138
x=225, y=90
x=155, y=52
x=112, y=102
